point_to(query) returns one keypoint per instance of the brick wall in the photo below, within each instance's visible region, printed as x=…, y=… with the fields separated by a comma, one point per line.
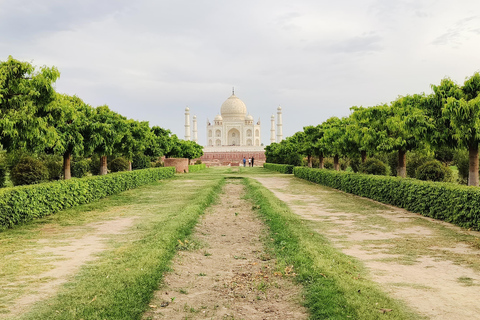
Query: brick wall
x=180, y=164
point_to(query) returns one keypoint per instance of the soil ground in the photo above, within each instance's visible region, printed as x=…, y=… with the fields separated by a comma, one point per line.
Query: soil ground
x=431, y=265
x=225, y=273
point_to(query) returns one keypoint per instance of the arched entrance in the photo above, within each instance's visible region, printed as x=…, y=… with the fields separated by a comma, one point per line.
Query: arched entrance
x=233, y=137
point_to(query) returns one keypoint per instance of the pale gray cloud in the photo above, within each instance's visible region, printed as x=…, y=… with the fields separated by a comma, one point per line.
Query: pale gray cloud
x=149, y=59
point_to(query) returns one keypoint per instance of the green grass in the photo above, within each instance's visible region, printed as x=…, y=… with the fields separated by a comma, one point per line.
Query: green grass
x=121, y=281
x=336, y=285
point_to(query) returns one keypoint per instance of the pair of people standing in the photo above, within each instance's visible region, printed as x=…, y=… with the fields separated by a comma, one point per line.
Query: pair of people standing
x=250, y=161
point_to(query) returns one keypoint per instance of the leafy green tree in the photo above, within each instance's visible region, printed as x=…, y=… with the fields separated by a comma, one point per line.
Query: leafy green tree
x=136, y=138
x=104, y=134
x=160, y=144
x=335, y=139
x=464, y=116
x=24, y=93
x=190, y=150
x=70, y=117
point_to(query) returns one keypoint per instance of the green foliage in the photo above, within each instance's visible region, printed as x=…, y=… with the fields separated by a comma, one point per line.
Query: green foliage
x=3, y=174
x=54, y=166
x=415, y=160
x=374, y=166
x=439, y=200
x=119, y=164
x=282, y=168
x=355, y=164
x=460, y=159
x=328, y=163
x=22, y=204
x=80, y=168
x=24, y=95
x=434, y=170
x=29, y=171
x=445, y=155
x=196, y=167
x=141, y=161
x=95, y=165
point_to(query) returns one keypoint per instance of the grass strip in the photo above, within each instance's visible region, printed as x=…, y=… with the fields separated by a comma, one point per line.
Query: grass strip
x=336, y=285
x=121, y=282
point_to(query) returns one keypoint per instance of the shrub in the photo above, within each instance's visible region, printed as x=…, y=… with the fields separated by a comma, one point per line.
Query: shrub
x=119, y=164
x=24, y=203
x=198, y=161
x=414, y=161
x=29, y=171
x=54, y=166
x=328, y=163
x=80, y=168
x=355, y=164
x=3, y=174
x=460, y=159
x=141, y=161
x=283, y=168
x=439, y=200
x=374, y=166
x=434, y=171
x=95, y=165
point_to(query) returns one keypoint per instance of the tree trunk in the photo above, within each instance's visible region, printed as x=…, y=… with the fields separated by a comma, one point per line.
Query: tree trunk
x=309, y=161
x=103, y=165
x=402, y=164
x=129, y=165
x=320, y=162
x=363, y=154
x=473, y=165
x=336, y=164
x=67, y=174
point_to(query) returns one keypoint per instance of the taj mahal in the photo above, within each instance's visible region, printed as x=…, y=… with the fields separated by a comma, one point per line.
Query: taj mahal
x=233, y=134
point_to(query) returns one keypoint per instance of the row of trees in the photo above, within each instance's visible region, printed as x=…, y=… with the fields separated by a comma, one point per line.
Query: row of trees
x=37, y=119
x=447, y=119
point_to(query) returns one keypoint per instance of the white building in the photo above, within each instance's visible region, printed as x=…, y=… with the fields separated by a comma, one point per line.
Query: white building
x=234, y=129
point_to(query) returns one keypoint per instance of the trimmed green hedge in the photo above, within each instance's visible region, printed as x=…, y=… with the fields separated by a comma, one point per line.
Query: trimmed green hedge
x=283, y=168
x=25, y=203
x=445, y=201
x=196, y=167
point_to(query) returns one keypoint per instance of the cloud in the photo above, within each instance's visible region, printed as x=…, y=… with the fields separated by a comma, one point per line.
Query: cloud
x=459, y=32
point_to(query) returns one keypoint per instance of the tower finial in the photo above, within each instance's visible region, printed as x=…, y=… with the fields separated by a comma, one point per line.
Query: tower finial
x=233, y=90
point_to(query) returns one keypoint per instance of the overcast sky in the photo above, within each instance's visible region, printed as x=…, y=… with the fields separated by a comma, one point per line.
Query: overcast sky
x=149, y=59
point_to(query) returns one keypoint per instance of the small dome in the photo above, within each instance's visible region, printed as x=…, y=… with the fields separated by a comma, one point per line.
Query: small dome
x=279, y=108
x=187, y=109
x=218, y=117
x=249, y=118
x=233, y=108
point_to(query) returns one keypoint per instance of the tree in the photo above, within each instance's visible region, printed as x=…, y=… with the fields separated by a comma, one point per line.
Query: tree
x=104, y=134
x=190, y=150
x=160, y=144
x=24, y=94
x=464, y=116
x=335, y=139
x=70, y=117
x=135, y=139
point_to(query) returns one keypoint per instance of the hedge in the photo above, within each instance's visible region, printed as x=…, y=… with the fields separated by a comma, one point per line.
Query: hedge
x=283, y=168
x=439, y=200
x=25, y=203
x=196, y=167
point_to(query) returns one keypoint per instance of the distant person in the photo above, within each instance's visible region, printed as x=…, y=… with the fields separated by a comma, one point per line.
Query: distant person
x=249, y=162
x=244, y=161
x=252, y=161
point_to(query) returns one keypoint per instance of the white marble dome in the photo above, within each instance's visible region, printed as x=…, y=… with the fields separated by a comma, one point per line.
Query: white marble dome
x=233, y=107
x=249, y=118
x=218, y=117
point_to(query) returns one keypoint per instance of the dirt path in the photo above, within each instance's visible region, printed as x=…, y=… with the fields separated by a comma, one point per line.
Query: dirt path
x=433, y=266
x=224, y=273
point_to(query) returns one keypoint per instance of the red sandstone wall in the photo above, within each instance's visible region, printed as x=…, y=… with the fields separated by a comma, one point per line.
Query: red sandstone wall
x=180, y=164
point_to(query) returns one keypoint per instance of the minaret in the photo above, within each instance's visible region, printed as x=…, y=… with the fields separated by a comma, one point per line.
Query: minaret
x=187, y=124
x=279, y=125
x=272, y=130
x=195, y=135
